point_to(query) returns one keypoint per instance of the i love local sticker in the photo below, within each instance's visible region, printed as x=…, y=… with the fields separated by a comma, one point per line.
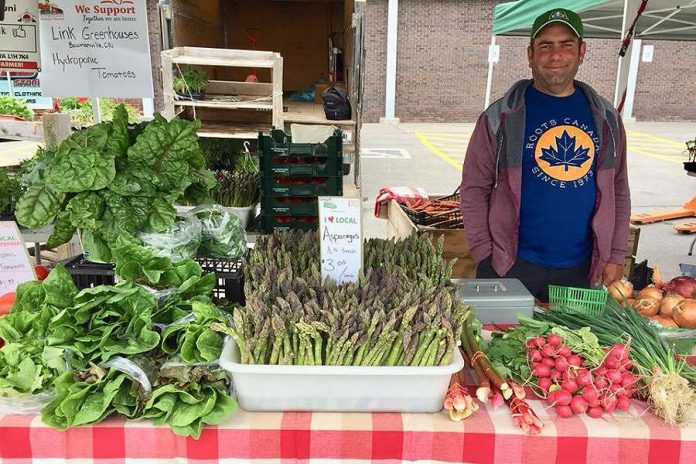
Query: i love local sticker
x=340, y=231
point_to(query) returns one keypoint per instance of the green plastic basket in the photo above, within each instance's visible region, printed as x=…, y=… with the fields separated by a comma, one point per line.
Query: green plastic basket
x=579, y=300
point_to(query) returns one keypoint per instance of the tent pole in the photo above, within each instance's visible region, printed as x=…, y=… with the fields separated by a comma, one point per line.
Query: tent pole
x=489, y=79
x=630, y=11
x=632, y=79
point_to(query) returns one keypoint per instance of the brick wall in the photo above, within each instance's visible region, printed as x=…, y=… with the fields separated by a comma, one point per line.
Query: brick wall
x=442, y=65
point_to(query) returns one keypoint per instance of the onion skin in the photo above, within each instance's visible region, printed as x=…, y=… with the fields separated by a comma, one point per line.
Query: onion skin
x=683, y=285
x=647, y=306
x=651, y=292
x=665, y=321
x=621, y=290
x=668, y=303
x=685, y=313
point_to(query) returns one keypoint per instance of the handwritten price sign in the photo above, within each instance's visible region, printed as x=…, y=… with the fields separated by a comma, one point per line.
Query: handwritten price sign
x=341, y=238
x=15, y=266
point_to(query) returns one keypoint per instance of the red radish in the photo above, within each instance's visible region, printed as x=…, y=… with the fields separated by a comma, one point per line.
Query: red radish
x=563, y=397
x=555, y=375
x=555, y=340
x=569, y=385
x=595, y=412
x=584, y=379
x=564, y=351
x=549, y=362
x=575, y=360
x=535, y=355
x=623, y=403
x=628, y=380
x=544, y=383
x=590, y=394
x=628, y=365
x=542, y=371
x=551, y=397
x=548, y=351
x=531, y=343
x=569, y=375
x=609, y=402
x=610, y=407
x=615, y=387
x=614, y=376
x=561, y=364
x=539, y=341
x=620, y=351
x=578, y=405
x=601, y=382
x=564, y=411
x=611, y=362
x=601, y=371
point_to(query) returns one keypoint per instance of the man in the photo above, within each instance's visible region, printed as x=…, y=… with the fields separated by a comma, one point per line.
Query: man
x=544, y=188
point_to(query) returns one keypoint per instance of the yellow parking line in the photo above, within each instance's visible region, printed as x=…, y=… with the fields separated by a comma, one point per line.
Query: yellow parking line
x=442, y=155
x=659, y=139
x=653, y=155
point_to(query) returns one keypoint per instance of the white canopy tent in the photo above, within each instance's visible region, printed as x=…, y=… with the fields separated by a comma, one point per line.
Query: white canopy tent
x=658, y=20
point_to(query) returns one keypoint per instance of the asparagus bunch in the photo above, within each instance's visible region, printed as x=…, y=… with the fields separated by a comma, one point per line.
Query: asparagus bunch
x=400, y=312
x=237, y=189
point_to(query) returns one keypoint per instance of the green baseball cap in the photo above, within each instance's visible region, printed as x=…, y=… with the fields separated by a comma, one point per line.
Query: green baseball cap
x=558, y=15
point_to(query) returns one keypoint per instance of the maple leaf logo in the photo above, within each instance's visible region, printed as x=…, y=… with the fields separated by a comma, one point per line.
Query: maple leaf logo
x=565, y=153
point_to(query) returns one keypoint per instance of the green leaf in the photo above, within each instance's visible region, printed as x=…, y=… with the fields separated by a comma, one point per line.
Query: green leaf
x=73, y=170
x=63, y=230
x=86, y=210
x=162, y=215
x=59, y=288
x=118, y=142
x=95, y=248
x=209, y=345
x=38, y=206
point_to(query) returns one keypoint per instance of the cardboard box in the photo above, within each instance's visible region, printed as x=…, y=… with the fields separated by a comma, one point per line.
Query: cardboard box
x=400, y=226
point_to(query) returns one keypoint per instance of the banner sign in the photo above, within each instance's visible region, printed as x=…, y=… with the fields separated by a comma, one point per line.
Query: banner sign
x=95, y=48
x=19, y=36
x=25, y=86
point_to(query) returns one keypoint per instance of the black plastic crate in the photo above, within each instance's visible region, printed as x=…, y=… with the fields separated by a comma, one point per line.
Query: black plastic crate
x=291, y=166
x=230, y=278
x=290, y=206
x=301, y=186
x=229, y=274
x=271, y=223
x=87, y=274
x=279, y=143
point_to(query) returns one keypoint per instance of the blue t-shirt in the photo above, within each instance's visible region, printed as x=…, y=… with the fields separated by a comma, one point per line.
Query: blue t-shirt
x=558, y=181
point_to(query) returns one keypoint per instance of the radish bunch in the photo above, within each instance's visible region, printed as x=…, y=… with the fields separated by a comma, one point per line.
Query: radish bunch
x=573, y=388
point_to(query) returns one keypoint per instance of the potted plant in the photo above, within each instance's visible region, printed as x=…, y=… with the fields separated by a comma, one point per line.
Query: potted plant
x=190, y=83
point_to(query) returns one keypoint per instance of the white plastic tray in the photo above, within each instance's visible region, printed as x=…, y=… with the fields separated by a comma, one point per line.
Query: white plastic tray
x=338, y=388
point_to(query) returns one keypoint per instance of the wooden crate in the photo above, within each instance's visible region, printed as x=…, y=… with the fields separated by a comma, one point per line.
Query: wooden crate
x=400, y=226
x=633, y=236
x=629, y=263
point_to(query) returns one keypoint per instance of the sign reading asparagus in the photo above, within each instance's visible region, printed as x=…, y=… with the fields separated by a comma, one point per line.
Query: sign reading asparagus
x=341, y=238
x=15, y=266
x=96, y=48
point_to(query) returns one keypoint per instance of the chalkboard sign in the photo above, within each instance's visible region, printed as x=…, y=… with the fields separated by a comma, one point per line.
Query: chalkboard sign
x=341, y=238
x=15, y=265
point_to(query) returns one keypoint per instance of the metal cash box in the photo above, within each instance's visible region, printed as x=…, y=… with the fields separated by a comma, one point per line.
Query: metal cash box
x=496, y=301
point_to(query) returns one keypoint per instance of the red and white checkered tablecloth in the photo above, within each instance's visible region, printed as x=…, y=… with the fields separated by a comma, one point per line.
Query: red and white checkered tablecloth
x=316, y=438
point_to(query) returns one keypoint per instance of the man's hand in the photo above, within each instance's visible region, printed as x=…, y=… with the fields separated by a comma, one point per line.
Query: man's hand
x=611, y=273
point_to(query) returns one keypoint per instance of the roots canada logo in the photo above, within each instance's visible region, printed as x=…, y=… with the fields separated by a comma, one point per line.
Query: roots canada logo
x=565, y=153
x=117, y=2
x=50, y=10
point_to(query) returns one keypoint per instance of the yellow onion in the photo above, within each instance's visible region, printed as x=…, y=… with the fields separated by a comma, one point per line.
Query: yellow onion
x=668, y=303
x=646, y=306
x=651, y=292
x=665, y=321
x=685, y=313
x=621, y=290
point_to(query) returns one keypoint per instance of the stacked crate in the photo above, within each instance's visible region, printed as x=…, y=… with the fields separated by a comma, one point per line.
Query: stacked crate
x=293, y=175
